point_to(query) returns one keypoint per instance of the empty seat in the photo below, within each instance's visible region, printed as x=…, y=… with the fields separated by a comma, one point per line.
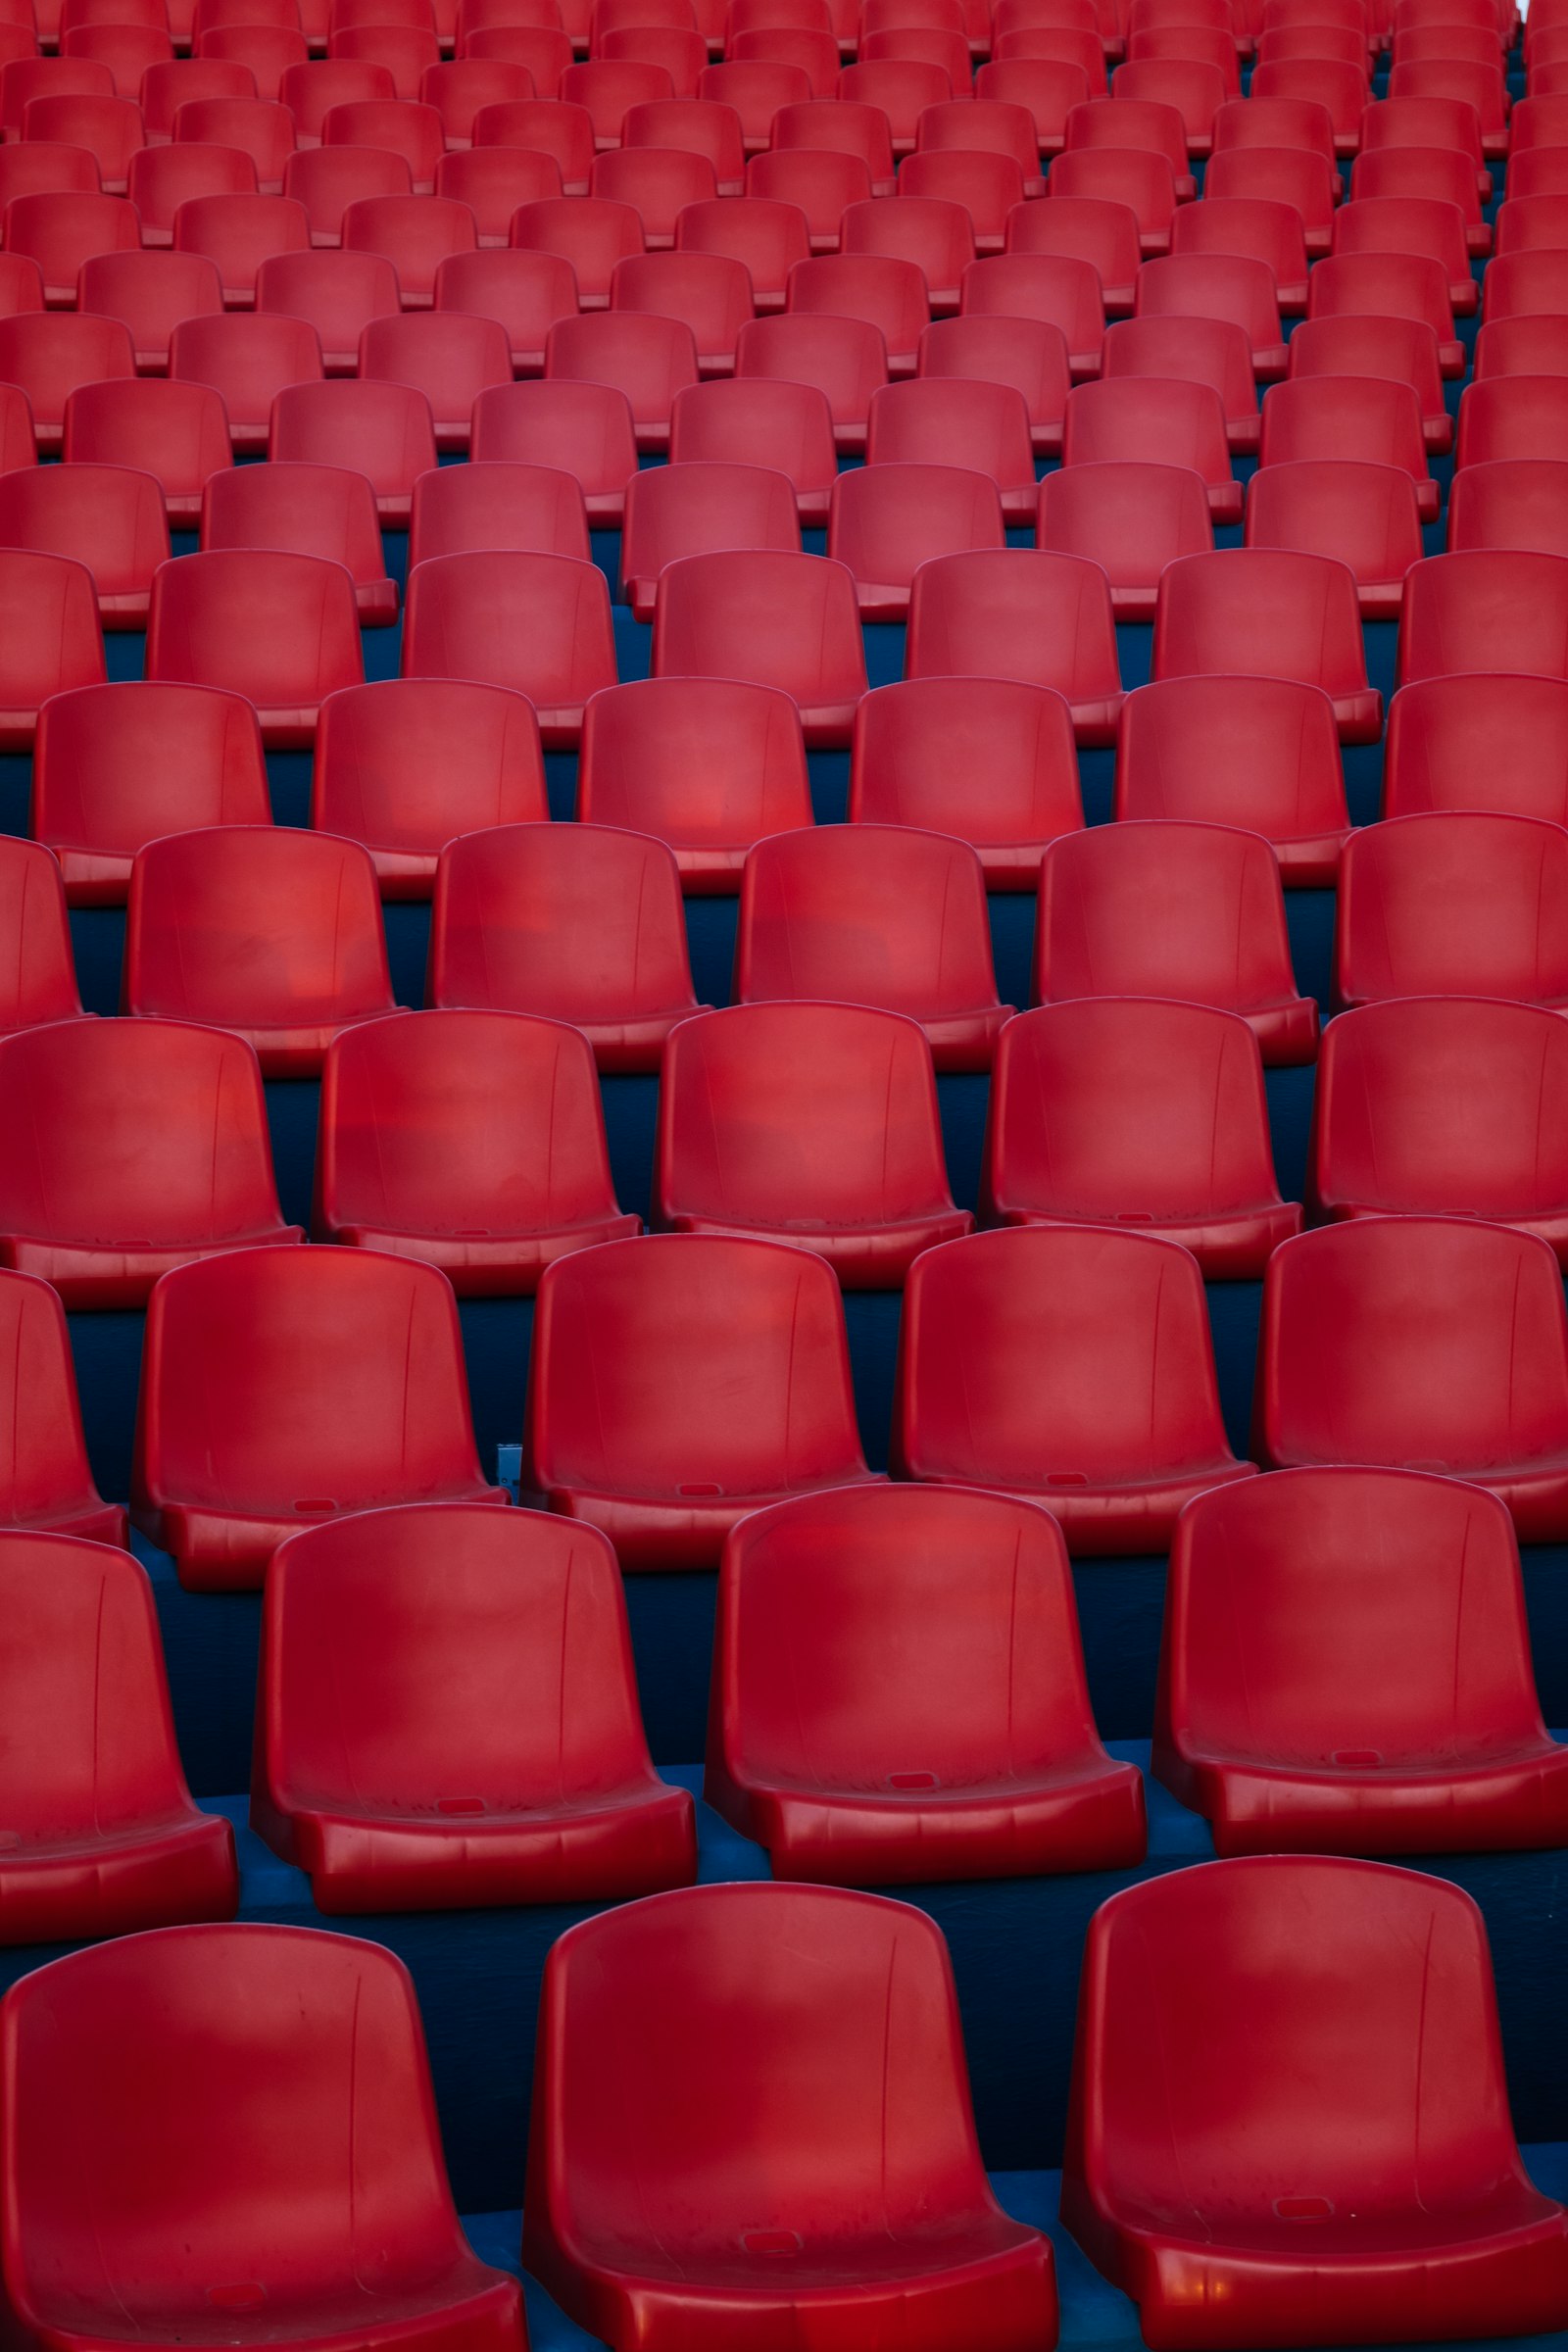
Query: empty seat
x=408, y=51
x=1331, y=84
x=918, y=743
x=414, y=234
x=309, y=510
x=542, y=49
x=1270, y=614
x=1060, y=290
x=658, y=183
x=279, y=627
x=1479, y=86
x=877, y=914
x=766, y=236
x=708, y=293
x=382, y=431
x=888, y=519
x=676, y=511
x=1403, y=351
x=607, y=88
x=326, y=180
x=822, y=183
x=1258, y=752
x=458, y=88
x=1145, y=124
x=564, y=1806
x=707, y=765
x=447, y=355
x=175, y=432
x=46, y=1486
x=756, y=88
x=1411, y=225
x=536, y=508
x=1453, y=902
x=240, y=233
x=1218, y=285
x=549, y=124
x=1071, y=1366
x=1511, y=503
x=593, y=233
x=1443, y=174
x=1485, y=609
x=845, y=359
x=1174, y=908
x=270, y=51
x=471, y=1140
x=1362, y=515
x=1299, y=177
x=748, y=426
x=1088, y=229
x=137, y=1146
x=1124, y=1110
x=886, y=292
x=246, y=356
x=815, y=1124
x=493, y=181
x=1252, y=226
x=943, y=420
x=152, y=292
x=1170, y=421
x=1026, y=614
x=164, y=88
x=719, y=1972
x=1391, y=285
x=1129, y=176
x=1421, y=1342
x=1029, y=356
x=107, y=518
x=681, y=51
x=936, y=236
x=38, y=167
x=39, y=985
x=704, y=125
x=903, y=87
x=777, y=618
x=270, y=1369
x=527, y=292
x=1513, y=416
x=26, y=78
x=843, y=126
x=1280, y=121
x=59, y=232
x=636, y=1342
x=1211, y=1998
x=1130, y=518
x=1525, y=284
x=1433, y=122
x=649, y=358
x=393, y=127
x=1048, y=87
x=585, y=430
x=1202, y=351
x=1532, y=344
x=537, y=623
x=108, y=127
x=105, y=1837
x=1479, y=742
x=49, y=636
x=578, y=923
x=336, y=293
x=258, y=127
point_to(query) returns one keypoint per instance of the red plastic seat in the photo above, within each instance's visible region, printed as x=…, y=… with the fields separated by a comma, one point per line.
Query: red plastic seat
x=635, y=1343
x=17, y=444
x=899, y=87
x=152, y=292
x=39, y=168
x=940, y=417
x=702, y=126
x=310, y=89
x=759, y=233
x=934, y=235
x=1058, y=291
x=1218, y=285
x=1330, y=84
x=542, y=50
x=776, y=618
x=1453, y=902
x=336, y=293
x=458, y=89
x=718, y=1971
x=918, y=743
x=585, y=430
x=1478, y=741
x=1048, y=88
x=1255, y=226
x=987, y=185
x=406, y=51
x=396, y=126
x=105, y=1838
x=819, y=1583
x=1300, y=621
x=510, y=900
x=1281, y=120
x=1033, y=614
x=707, y=765
x=527, y=292
x=326, y=180
x=1129, y=518
x=269, y=1369
x=271, y=52
x=241, y=234
x=448, y=356
x=1391, y=285
x=105, y=518
x=324, y=510
x=176, y=433
x=537, y=623
x=607, y=89
x=815, y=1124
x=706, y=293
x=1297, y=177
x=1028, y=356
x=1444, y=174
x=1421, y=1342
x=414, y=234
x=1174, y=909
x=1446, y=1750
x=1401, y=351
x=550, y=125
x=1485, y=609
x=282, y=628
x=458, y=512
x=843, y=126
x=881, y=290
x=1257, y=753
x=117, y=765
x=658, y=183
x=137, y=1146
x=1071, y=1366
x=24, y=77
x=1421, y=225
x=1434, y=121
x=1202, y=351
x=247, y=357
x=1128, y=1111
x=1513, y=416
x=1151, y=419
x=1534, y=344
x=258, y=126
x=593, y=233
x=405, y=765
x=756, y=88
x=108, y=127
x=1146, y=124
x=888, y=519
x=382, y=431
x=493, y=182
x=681, y=51
x=164, y=88
x=821, y=180
x=59, y=231
x=571, y=1809
x=1211, y=1998
x=687, y=510
x=46, y=1486
x=1197, y=88
x=845, y=359
x=1517, y=503
x=1363, y=515
x=1129, y=176
x=877, y=914
x=49, y=638
x=1525, y=285
x=1479, y=86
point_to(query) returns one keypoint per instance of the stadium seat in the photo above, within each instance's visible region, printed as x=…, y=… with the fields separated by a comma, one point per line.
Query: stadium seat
x=1257, y=753
x=815, y=1124
x=1517, y=503
x=1362, y=515
x=406, y=50
x=39, y=984
x=1147, y=125
x=765, y=235
x=448, y=356
x=592, y=233
x=137, y=1146
x=414, y=234
x=117, y=765
x=822, y=183
x=1332, y=85
x=1390, y=285
x=59, y=232
x=26, y=78
x=1048, y=87
x=310, y=89
x=1128, y=176
x=1248, y=226
x=918, y=743
x=1400, y=351
x=510, y=899
x=755, y=89
x=458, y=89
x=843, y=126
x=1441, y=174
x=1485, y=609
x=933, y=234
x=471, y=1140
x=1270, y=614
x=784, y=2123
x=41, y=167
x=658, y=183
x=1299, y=177
x=1197, y=88
x=152, y=293
x=241, y=232
x=336, y=293
x=819, y=1582
x=890, y=916
x=585, y=430
x=1453, y=902
x=46, y=1486
x=901, y=87
x=1200, y=351
x=166, y=87
x=1257, y=120
x=888, y=519
x=279, y=627
x=458, y=511
x=493, y=182
x=1071, y=1366
x=1127, y=1111
x=844, y=358
x=543, y=49
x=270, y=52
x=246, y=356
x=258, y=126
x=1056, y=44
x=1479, y=742
x=527, y=292
x=703, y=125
x=1130, y=518
x=1028, y=356
x=881, y=290
x=706, y=765
x=1211, y=1998
x=323, y=511
x=988, y=187
x=1514, y=416
x=1525, y=284
x=1413, y=225
x=17, y=444
x=110, y=128
x=105, y=1837
x=1479, y=86
x=49, y=637
x=549, y=126
x=1177, y=908
x=681, y=51
x=776, y=618
x=268, y=1369
x=1449, y=1751
x=607, y=89
x=749, y=424
x=1217, y=286
x=571, y=1809
x=385, y=126
x=635, y=1343
x=107, y=518
x=687, y=510
x=938, y=419
x=176, y=433
x=1532, y=344
x=706, y=293
x=1423, y=1343
x=1168, y=422
x=382, y=431
x=1450, y=122
x=326, y=180
x=1033, y=614
x=1060, y=290
x=537, y=623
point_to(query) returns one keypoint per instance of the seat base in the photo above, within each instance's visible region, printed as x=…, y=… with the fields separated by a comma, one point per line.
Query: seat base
x=490, y=1265
x=1230, y=1247
x=1507, y=1803
x=674, y=1531
x=864, y=1258
x=89, y=1274
x=217, y=1550
x=1101, y=1520
x=161, y=1874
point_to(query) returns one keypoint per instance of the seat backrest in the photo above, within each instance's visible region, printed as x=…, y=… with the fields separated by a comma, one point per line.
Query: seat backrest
x=411, y=762
x=874, y=915
x=1485, y=608
x=1474, y=741
x=117, y=764
x=1256, y=752
x=694, y=760
x=1302, y=619
x=1454, y=901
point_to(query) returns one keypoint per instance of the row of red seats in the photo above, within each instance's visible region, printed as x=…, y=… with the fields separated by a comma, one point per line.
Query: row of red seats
x=373, y=1708
x=717, y=2075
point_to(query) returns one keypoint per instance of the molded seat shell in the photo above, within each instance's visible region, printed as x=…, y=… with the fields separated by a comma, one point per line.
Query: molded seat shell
x=1146, y=420
x=321, y=510
x=1270, y=612
x=1028, y=613
x=1130, y=518
x=772, y=617
x=846, y=359
x=585, y=430
x=1261, y=754
x=919, y=743
x=1453, y=902
x=1479, y=742
x=281, y=629
x=707, y=765
x=46, y=1486
x=538, y=625
x=761, y=424
x=109, y=519
x=888, y=519
x=382, y=431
